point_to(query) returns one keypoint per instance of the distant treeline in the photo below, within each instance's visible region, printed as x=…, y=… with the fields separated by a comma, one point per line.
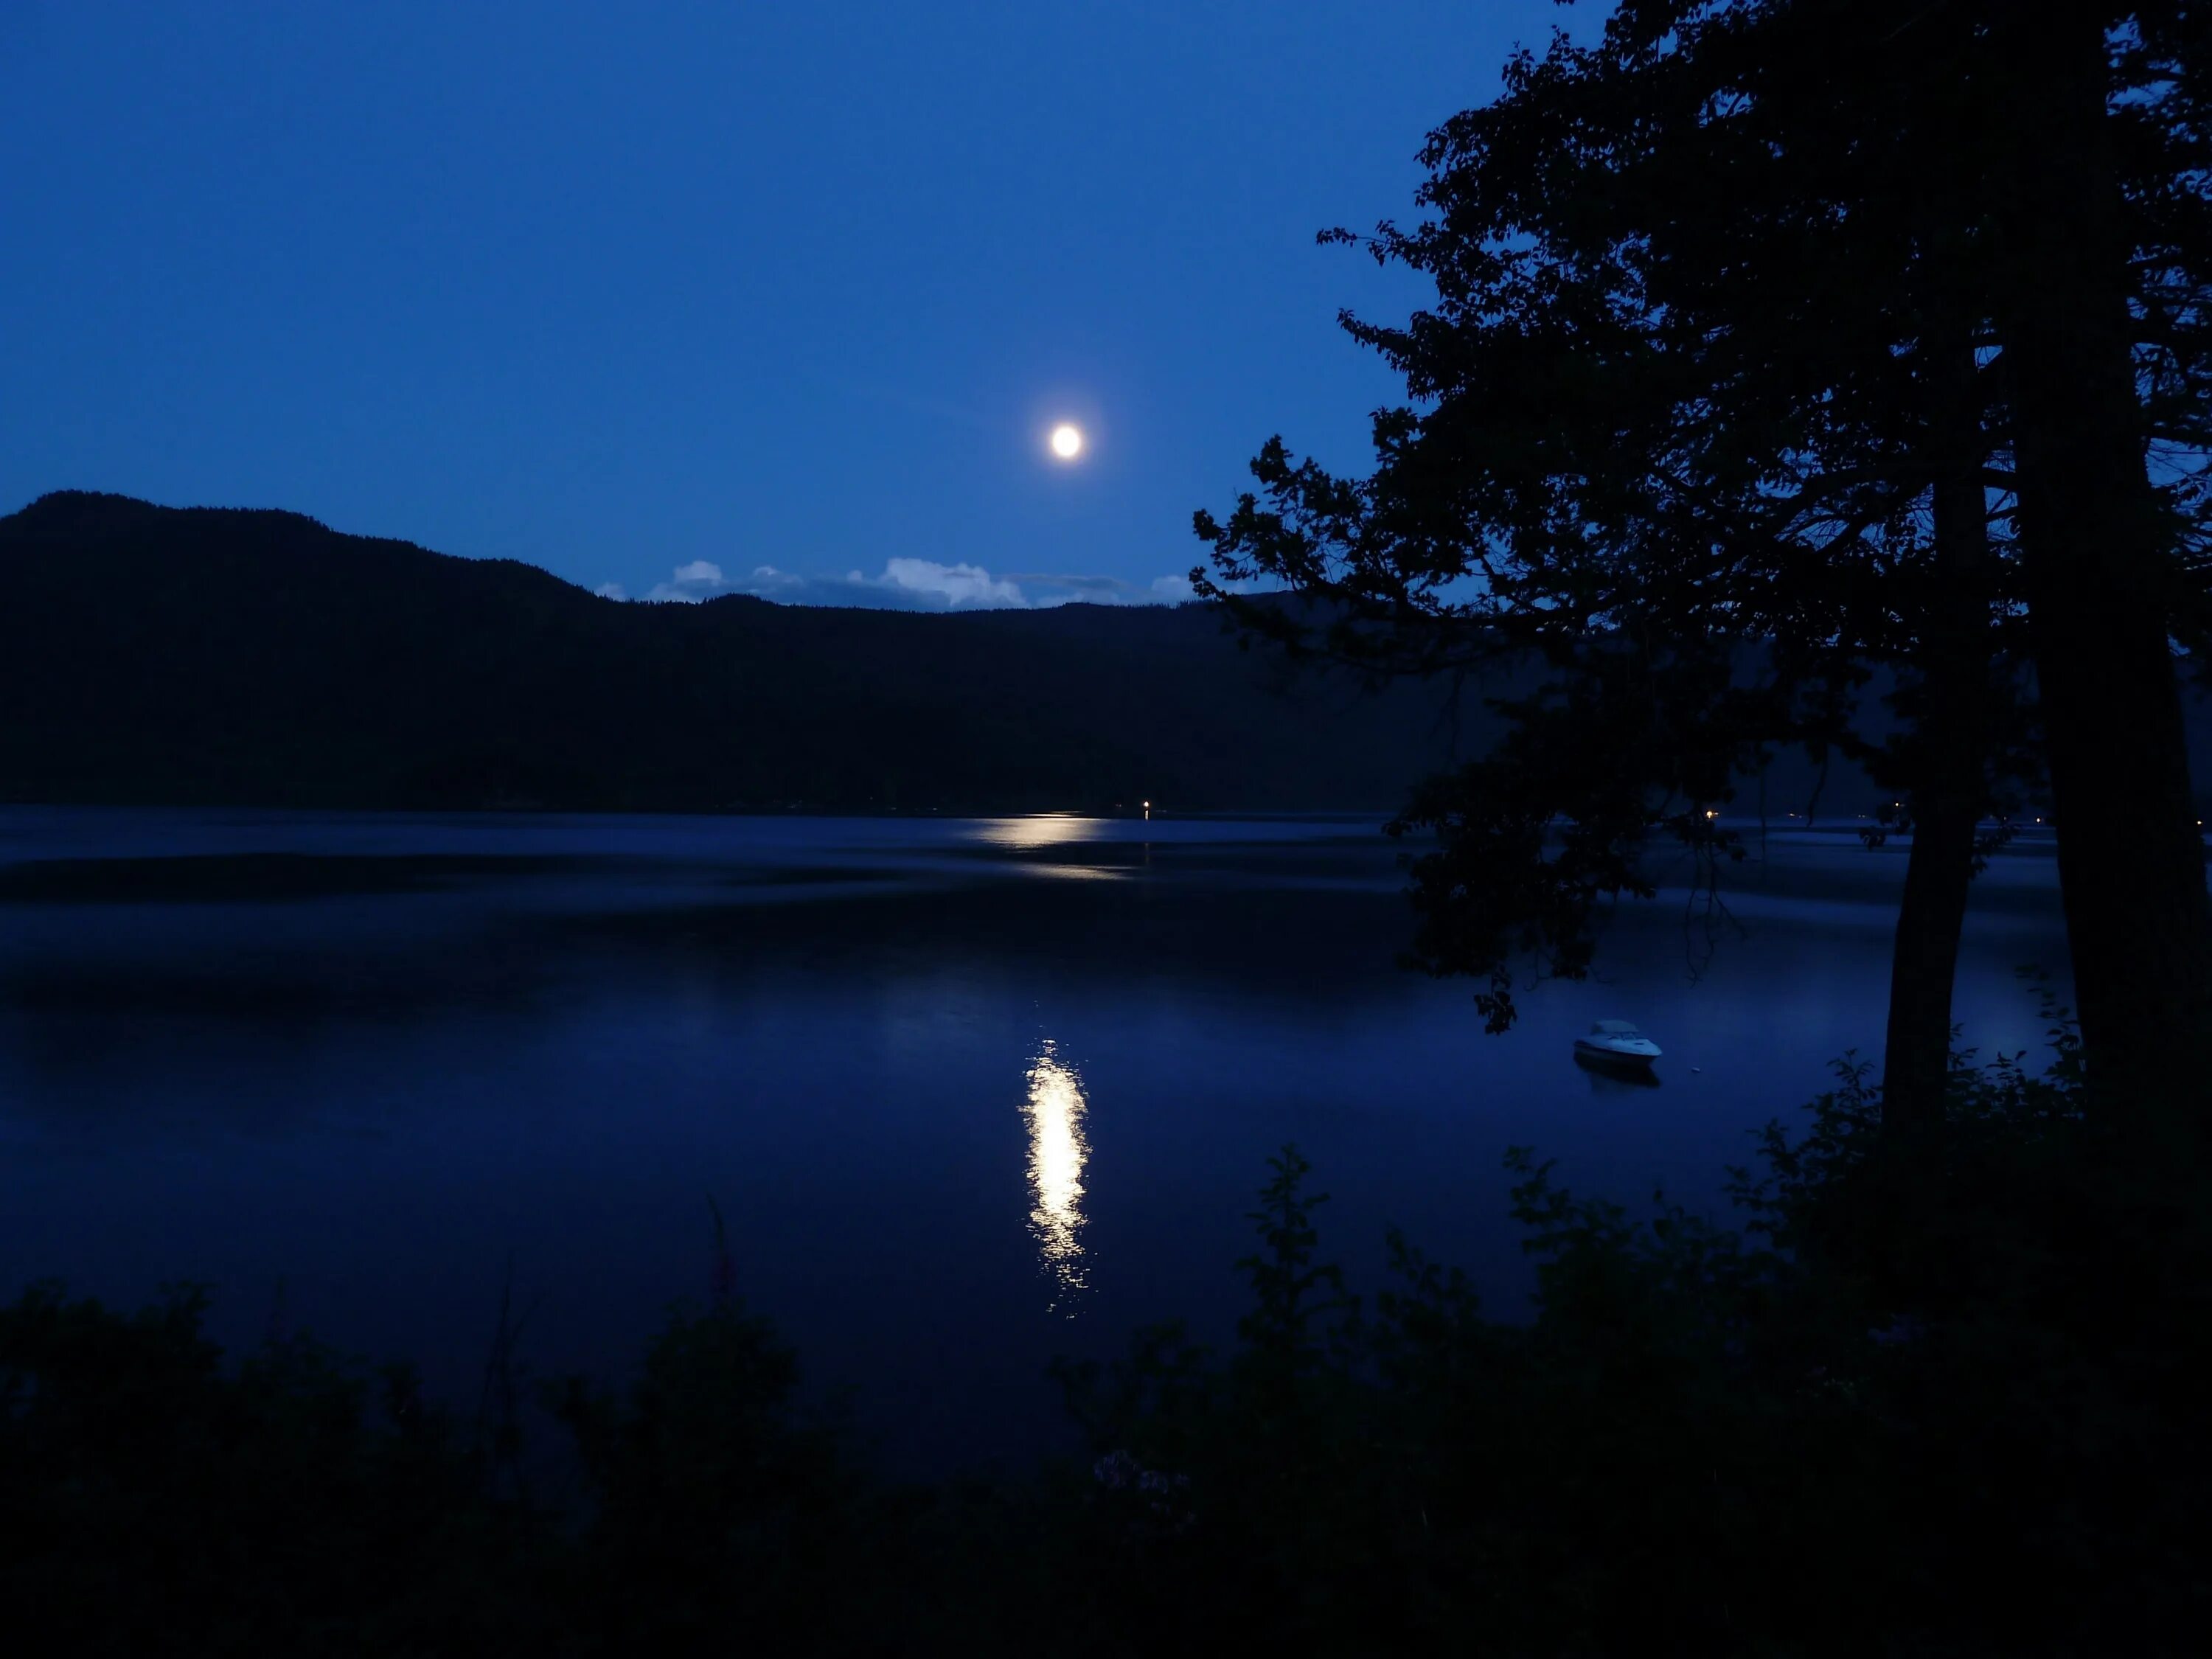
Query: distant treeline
x=198, y=656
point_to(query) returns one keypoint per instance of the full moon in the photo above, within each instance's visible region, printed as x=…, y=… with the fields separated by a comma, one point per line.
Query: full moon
x=1067, y=442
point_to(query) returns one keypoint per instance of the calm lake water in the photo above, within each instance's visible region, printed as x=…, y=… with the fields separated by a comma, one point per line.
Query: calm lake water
x=969, y=1094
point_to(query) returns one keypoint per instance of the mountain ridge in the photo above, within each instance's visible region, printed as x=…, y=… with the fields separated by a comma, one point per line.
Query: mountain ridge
x=255, y=656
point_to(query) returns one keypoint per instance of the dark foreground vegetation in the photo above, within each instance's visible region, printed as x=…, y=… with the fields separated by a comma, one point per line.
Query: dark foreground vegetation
x=1942, y=1406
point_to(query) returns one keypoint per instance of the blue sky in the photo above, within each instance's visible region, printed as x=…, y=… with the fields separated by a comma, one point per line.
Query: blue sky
x=668, y=295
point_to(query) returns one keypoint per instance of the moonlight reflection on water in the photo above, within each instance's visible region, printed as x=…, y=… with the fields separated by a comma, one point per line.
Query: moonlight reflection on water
x=1037, y=830
x=380, y=1052
x=1058, y=1150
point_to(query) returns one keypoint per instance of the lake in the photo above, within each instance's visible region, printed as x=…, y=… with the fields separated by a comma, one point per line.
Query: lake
x=967, y=1094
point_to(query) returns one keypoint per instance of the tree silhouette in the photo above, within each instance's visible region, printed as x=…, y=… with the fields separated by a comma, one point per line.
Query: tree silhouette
x=2105, y=591
x=1724, y=354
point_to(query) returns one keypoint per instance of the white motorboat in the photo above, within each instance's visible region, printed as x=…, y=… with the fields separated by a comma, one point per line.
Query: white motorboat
x=1616, y=1042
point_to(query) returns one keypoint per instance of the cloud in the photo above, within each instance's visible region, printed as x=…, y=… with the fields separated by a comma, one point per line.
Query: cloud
x=702, y=579
x=846, y=591
x=908, y=584
x=1104, y=590
x=904, y=585
x=1094, y=590
x=611, y=590
x=957, y=585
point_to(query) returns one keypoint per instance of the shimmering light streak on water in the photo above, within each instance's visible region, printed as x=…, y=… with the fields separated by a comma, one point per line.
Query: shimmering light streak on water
x=379, y=1053
x=1037, y=830
x=1058, y=1150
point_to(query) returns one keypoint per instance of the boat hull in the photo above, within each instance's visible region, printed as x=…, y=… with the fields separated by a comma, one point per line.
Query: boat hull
x=1639, y=1058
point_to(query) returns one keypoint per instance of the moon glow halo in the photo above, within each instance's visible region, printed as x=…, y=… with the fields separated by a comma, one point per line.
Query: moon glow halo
x=1067, y=442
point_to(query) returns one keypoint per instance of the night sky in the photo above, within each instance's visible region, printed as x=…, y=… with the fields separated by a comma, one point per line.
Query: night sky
x=688, y=298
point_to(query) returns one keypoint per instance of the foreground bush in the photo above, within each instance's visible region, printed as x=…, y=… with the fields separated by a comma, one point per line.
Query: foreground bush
x=1939, y=1397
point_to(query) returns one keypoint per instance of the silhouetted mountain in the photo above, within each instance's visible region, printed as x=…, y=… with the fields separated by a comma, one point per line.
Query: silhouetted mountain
x=155, y=654
x=210, y=656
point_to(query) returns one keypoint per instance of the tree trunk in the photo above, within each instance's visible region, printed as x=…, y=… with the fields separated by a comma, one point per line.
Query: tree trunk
x=2095, y=550
x=1949, y=790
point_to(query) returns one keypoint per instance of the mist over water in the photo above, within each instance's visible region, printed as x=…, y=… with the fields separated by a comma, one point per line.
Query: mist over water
x=970, y=1094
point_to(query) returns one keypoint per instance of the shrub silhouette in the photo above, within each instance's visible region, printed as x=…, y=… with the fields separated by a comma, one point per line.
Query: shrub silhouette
x=1946, y=1407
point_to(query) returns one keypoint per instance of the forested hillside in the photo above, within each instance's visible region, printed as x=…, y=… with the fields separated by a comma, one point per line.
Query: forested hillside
x=211, y=656
x=153, y=654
